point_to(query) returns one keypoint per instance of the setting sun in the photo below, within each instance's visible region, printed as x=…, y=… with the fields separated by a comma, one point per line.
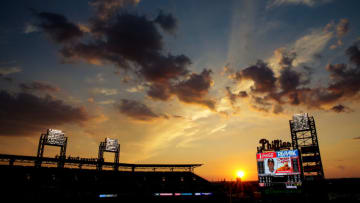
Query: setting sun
x=240, y=174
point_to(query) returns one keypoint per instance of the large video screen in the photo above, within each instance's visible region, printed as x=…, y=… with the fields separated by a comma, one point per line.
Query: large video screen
x=278, y=163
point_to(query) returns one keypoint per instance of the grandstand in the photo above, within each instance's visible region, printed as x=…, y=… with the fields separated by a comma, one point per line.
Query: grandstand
x=46, y=183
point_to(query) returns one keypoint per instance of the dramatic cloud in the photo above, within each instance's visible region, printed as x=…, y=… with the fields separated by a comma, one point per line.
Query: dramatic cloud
x=30, y=28
x=304, y=50
x=195, y=89
x=106, y=8
x=105, y=102
x=353, y=53
x=138, y=88
x=133, y=42
x=356, y=138
x=275, y=3
x=58, y=27
x=346, y=79
x=260, y=103
x=39, y=86
x=290, y=86
x=26, y=114
x=261, y=74
x=99, y=78
x=104, y=91
x=277, y=109
x=233, y=97
x=308, y=46
x=340, y=108
x=5, y=71
x=136, y=110
x=160, y=91
x=167, y=22
x=9, y=70
x=342, y=28
x=289, y=80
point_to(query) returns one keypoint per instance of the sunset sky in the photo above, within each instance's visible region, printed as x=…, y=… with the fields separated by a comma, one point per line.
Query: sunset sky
x=181, y=81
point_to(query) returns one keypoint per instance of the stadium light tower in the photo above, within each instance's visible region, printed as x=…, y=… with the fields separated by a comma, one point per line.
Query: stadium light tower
x=52, y=138
x=110, y=145
x=304, y=138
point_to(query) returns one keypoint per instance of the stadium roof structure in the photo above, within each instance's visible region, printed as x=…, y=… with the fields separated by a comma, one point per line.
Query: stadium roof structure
x=72, y=162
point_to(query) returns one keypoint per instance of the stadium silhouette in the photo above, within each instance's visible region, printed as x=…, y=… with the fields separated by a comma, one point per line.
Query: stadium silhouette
x=74, y=178
x=63, y=178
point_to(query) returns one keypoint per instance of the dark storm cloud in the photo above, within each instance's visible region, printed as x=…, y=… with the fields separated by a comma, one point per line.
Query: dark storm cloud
x=289, y=80
x=286, y=59
x=106, y=8
x=130, y=41
x=260, y=103
x=195, y=89
x=133, y=42
x=340, y=108
x=353, y=53
x=290, y=87
x=26, y=114
x=278, y=109
x=261, y=74
x=58, y=27
x=165, y=68
x=233, y=97
x=344, y=80
x=160, y=92
x=136, y=110
x=167, y=21
x=356, y=138
x=38, y=86
x=242, y=94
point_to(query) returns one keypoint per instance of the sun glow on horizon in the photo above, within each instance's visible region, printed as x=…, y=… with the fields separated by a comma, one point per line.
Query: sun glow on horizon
x=240, y=174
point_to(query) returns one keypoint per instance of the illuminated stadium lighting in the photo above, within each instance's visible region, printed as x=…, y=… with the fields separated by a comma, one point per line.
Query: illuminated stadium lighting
x=184, y=194
x=203, y=193
x=166, y=194
x=107, y=195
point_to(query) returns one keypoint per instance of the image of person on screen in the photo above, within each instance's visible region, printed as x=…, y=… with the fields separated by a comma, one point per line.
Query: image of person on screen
x=271, y=165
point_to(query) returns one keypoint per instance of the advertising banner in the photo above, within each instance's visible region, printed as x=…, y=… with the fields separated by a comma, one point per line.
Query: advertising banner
x=279, y=162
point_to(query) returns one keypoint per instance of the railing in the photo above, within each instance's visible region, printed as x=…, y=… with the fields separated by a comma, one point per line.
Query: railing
x=71, y=162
